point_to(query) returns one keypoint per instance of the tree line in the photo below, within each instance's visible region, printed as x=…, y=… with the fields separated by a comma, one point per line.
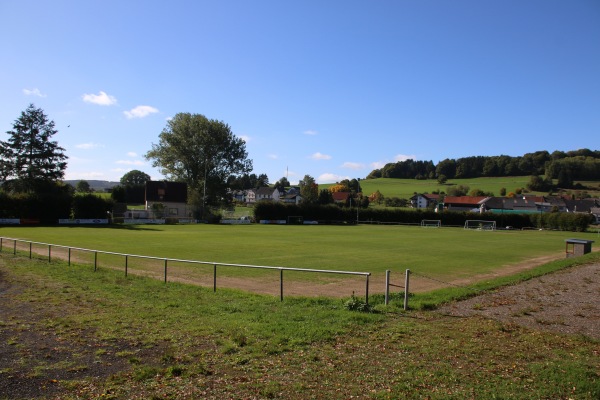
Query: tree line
x=583, y=164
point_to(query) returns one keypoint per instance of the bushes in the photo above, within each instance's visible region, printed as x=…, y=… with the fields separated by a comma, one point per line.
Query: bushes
x=335, y=214
x=48, y=208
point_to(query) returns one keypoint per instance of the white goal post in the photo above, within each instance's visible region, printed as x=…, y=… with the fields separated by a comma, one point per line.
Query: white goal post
x=480, y=225
x=431, y=223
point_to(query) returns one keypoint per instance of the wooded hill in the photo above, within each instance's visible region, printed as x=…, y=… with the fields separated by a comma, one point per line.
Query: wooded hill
x=583, y=164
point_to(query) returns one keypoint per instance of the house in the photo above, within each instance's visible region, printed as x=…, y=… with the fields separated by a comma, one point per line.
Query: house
x=424, y=200
x=291, y=198
x=171, y=195
x=463, y=203
x=267, y=194
x=251, y=196
x=341, y=197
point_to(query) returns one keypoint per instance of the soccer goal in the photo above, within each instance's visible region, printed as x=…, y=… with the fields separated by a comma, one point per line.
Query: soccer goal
x=295, y=220
x=480, y=225
x=431, y=223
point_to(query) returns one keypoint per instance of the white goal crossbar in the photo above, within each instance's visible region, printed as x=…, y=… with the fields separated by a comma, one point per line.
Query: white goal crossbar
x=431, y=223
x=480, y=225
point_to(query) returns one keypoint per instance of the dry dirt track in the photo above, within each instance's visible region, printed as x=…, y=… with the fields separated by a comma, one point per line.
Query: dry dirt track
x=566, y=302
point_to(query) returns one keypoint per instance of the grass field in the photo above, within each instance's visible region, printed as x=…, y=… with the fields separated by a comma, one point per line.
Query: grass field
x=445, y=254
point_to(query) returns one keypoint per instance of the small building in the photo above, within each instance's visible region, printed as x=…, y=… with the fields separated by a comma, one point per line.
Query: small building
x=578, y=247
x=171, y=195
x=463, y=203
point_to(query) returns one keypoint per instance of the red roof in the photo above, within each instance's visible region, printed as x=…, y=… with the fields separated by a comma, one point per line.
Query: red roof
x=464, y=200
x=340, y=196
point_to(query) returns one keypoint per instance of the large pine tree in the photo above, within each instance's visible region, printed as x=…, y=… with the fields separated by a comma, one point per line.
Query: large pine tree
x=29, y=158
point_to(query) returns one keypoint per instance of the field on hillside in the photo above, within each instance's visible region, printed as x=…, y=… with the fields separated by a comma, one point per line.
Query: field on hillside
x=406, y=188
x=446, y=254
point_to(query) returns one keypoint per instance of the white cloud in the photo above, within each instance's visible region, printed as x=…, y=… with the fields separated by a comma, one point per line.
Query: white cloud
x=102, y=99
x=273, y=156
x=331, y=178
x=353, y=165
x=311, y=132
x=319, y=156
x=404, y=157
x=140, y=112
x=88, y=146
x=378, y=164
x=33, y=92
x=131, y=162
x=131, y=154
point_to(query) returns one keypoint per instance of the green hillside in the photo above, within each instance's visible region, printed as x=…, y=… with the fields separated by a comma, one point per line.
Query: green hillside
x=405, y=188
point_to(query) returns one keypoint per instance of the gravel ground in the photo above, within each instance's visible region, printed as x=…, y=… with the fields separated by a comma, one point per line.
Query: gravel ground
x=564, y=302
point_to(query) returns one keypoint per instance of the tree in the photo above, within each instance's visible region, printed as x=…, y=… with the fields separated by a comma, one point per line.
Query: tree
x=282, y=184
x=135, y=178
x=325, y=197
x=309, y=190
x=202, y=152
x=83, y=187
x=442, y=179
x=377, y=197
x=30, y=157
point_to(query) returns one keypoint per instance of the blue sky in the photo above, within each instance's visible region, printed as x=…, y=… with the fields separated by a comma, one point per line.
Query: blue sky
x=332, y=89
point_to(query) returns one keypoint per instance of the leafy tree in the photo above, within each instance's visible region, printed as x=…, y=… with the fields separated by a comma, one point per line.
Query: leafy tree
x=442, y=179
x=202, y=152
x=30, y=157
x=83, y=187
x=282, y=183
x=338, y=187
x=377, y=197
x=135, y=178
x=325, y=197
x=458, y=190
x=503, y=191
x=262, y=181
x=309, y=190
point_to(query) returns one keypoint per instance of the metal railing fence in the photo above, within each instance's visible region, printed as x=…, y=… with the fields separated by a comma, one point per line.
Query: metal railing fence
x=167, y=260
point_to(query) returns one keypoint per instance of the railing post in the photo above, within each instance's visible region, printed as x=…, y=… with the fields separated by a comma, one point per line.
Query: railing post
x=49, y=253
x=95, y=261
x=69, y=258
x=387, y=287
x=367, y=291
x=214, y=277
x=30, y=244
x=406, y=281
x=1, y=243
x=165, y=270
x=15, y=248
x=281, y=284
x=126, y=257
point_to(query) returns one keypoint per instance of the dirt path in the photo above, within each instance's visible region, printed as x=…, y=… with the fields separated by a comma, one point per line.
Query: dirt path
x=563, y=302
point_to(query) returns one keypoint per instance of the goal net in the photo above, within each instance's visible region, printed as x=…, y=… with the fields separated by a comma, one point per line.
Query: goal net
x=295, y=220
x=431, y=223
x=480, y=225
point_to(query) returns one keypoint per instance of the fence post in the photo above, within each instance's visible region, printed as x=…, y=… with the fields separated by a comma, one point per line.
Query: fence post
x=367, y=291
x=214, y=277
x=406, y=281
x=387, y=287
x=165, y=270
x=30, y=244
x=49, y=253
x=95, y=261
x=1, y=243
x=281, y=284
x=15, y=248
x=69, y=259
x=126, y=259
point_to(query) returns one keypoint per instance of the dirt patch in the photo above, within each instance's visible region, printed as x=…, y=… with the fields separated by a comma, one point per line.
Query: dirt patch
x=563, y=302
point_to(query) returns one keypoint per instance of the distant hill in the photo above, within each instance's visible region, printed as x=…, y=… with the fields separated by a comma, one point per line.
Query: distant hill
x=98, y=186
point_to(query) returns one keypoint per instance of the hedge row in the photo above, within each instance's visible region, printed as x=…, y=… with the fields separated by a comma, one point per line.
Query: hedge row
x=336, y=214
x=48, y=208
